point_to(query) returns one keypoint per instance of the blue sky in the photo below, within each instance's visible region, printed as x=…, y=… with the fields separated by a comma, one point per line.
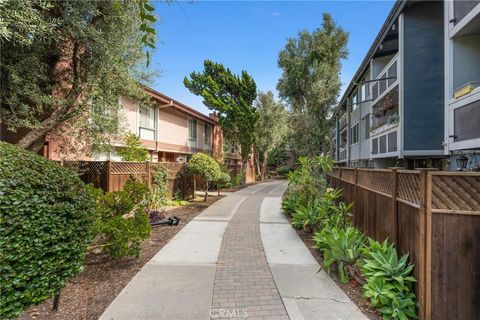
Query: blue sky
x=247, y=35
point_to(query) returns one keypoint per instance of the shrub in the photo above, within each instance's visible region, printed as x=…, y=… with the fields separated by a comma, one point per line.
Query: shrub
x=223, y=181
x=238, y=179
x=159, y=188
x=46, y=216
x=284, y=170
x=121, y=218
x=340, y=246
x=389, y=282
x=133, y=150
x=307, y=216
x=206, y=167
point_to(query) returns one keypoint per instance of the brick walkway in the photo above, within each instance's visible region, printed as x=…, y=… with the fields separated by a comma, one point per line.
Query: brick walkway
x=244, y=286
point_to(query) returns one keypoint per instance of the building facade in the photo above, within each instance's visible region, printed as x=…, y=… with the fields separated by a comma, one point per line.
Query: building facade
x=399, y=109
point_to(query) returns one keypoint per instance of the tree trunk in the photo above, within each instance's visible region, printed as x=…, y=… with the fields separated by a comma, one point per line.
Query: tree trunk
x=244, y=171
x=264, y=165
x=259, y=172
x=206, y=190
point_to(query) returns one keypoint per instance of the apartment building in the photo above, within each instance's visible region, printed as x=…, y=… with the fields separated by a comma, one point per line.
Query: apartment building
x=398, y=110
x=462, y=84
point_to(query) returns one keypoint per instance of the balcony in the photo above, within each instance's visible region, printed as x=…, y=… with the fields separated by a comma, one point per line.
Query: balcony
x=342, y=155
x=386, y=80
x=342, y=122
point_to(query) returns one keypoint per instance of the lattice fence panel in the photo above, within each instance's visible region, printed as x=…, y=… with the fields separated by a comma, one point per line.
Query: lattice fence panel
x=87, y=167
x=456, y=192
x=379, y=180
x=129, y=168
x=348, y=174
x=408, y=186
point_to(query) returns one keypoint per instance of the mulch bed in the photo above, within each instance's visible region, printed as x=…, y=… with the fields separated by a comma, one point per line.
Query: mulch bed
x=353, y=290
x=91, y=292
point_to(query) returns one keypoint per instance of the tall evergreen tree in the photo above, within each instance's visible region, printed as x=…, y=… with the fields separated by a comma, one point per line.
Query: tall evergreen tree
x=310, y=84
x=271, y=129
x=232, y=96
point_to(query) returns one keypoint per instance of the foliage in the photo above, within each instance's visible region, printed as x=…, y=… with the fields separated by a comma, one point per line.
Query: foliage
x=206, y=167
x=86, y=55
x=284, y=170
x=239, y=178
x=310, y=84
x=271, y=129
x=223, y=181
x=46, y=216
x=307, y=216
x=146, y=27
x=308, y=181
x=232, y=97
x=389, y=282
x=122, y=219
x=290, y=203
x=133, y=150
x=340, y=246
x=279, y=156
x=159, y=195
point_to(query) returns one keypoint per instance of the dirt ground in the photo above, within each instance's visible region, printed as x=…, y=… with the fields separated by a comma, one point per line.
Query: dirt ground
x=91, y=292
x=353, y=290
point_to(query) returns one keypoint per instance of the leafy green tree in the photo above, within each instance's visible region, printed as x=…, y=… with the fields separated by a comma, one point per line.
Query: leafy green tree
x=133, y=150
x=232, y=96
x=206, y=167
x=86, y=54
x=271, y=129
x=310, y=84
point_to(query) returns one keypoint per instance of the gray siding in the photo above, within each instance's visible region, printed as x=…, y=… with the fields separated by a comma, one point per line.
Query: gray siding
x=423, y=76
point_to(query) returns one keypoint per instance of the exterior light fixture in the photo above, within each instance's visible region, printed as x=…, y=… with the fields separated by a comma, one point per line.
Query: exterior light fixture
x=461, y=163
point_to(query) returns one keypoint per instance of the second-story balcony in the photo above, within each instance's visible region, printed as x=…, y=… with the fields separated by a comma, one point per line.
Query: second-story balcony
x=386, y=80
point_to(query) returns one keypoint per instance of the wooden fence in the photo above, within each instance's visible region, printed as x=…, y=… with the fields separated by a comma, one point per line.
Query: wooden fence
x=432, y=215
x=112, y=176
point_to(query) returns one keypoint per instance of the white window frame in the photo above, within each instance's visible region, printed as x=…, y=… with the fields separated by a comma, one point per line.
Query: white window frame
x=355, y=103
x=150, y=128
x=192, y=141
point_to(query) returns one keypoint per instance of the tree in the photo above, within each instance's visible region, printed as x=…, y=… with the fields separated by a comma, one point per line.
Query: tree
x=133, y=150
x=310, y=84
x=206, y=167
x=86, y=55
x=232, y=96
x=271, y=129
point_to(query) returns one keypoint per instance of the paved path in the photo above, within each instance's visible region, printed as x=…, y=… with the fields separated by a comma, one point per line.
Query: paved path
x=240, y=258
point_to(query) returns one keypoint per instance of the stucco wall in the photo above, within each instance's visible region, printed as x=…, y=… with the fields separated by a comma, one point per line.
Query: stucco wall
x=130, y=114
x=173, y=127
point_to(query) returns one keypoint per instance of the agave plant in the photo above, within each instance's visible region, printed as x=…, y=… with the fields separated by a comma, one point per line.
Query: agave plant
x=383, y=262
x=340, y=246
x=307, y=217
x=390, y=303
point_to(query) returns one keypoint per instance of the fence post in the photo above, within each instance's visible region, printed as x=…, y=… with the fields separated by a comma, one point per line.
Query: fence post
x=355, y=201
x=428, y=246
x=149, y=173
x=109, y=174
x=394, y=202
x=421, y=244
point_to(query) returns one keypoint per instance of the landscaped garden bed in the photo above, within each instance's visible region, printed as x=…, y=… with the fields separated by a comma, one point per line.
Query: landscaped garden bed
x=103, y=278
x=371, y=273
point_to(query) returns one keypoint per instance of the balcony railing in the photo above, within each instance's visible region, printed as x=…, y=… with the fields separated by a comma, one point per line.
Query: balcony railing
x=386, y=80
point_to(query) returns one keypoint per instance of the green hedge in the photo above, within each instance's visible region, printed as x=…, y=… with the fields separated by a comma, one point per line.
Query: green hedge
x=45, y=226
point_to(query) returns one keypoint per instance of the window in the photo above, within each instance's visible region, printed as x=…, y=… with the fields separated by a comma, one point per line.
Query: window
x=354, y=133
x=146, y=123
x=364, y=92
x=147, y=117
x=192, y=132
x=208, y=135
x=354, y=102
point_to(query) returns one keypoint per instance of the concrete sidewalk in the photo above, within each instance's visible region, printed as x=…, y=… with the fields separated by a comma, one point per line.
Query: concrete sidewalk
x=239, y=258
